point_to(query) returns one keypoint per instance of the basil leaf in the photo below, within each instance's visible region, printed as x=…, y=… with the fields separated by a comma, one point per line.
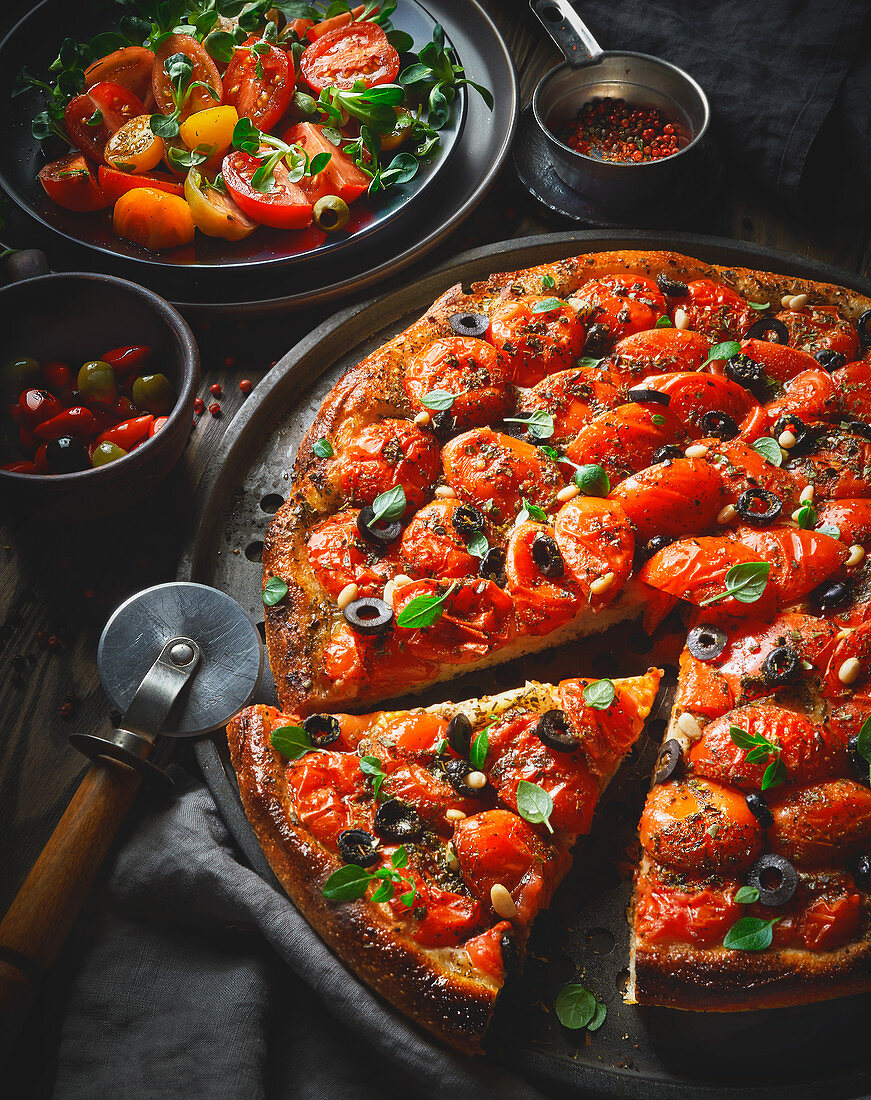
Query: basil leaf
x=478, y=545
x=750, y=934
x=274, y=591
x=538, y=423
x=349, y=883
x=534, y=804
x=163, y=126
x=551, y=453
x=384, y=892
x=598, y=1017
x=422, y=611
x=760, y=306
x=323, y=448
x=371, y=766
x=575, y=1007
x=586, y=362
x=742, y=738
x=547, y=282
x=291, y=741
x=747, y=895
x=725, y=350
x=531, y=511
x=747, y=581
x=399, y=857
x=600, y=694
x=438, y=400
x=775, y=774
x=807, y=517
x=390, y=505
x=220, y=46
x=664, y=322
x=769, y=449
x=592, y=480
x=408, y=897
x=546, y=305
x=479, y=749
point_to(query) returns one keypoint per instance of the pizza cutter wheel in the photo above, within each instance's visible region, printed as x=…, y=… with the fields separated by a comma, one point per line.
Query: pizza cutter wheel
x=178, y=659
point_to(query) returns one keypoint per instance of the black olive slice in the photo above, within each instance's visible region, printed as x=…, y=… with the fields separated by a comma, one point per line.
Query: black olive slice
x=757, y=806
x=862, y=328
x=770, y=330
x=469, y=324
x=862, y=870
x=830, y=360
x=745, y=371
x=374, y=531
x=359, y=847
x=748, y=507
x=369, y=616
x=774, y=877
x=828, y=597
x=597, y=342
x=546, y=555
x=706, y=642
x=648, y=397
x=456, y=772
x=443, y=424
x=396, y=820
x=467, y=520
x=782, y=666
x=665, y=453
x=493, y=566
x=554, y=730
x=459, y=734
x=672, y=288
x=652, y=546
x=804, y=436
x=323, y=729
x=668, y=762
x=718, y=424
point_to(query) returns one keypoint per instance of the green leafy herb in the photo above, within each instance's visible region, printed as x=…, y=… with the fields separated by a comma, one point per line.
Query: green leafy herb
x=220, y=45
x=592, y=480
x=437, y=76
x=658, y=419
x=351, y=882
x=371, y=766
x=189, y=158
x=722, y=351
x=587, y=362
x=530, y=511
x=438, y=400
x=534, y=804
x=324, y=449
x=95, y=119
x=598, y=1017
x=180, y=70
x=863, y=743
x=551, y=453
x=292, y=741
x=600, y=694
x=479, y=749
x=807, y=517
x=759, y=749
x=769, y=449
x=422, y=611
x=664, y=322
x=477, y=545
x=547, y=305
x=274, y=591
x=759, y=306
x=745, y=582
x=547, y=282
x=389, y=505
x=829, y=529
x=747, y=895
x=538, y=423
x=441, y=746
x=576, y=1007
x=750, y=934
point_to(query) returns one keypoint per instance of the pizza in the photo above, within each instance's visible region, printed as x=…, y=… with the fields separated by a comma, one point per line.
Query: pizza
x=612, y=437
x=420, y=844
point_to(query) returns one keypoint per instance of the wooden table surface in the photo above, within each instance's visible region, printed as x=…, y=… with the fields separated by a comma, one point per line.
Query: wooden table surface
x=58, y=584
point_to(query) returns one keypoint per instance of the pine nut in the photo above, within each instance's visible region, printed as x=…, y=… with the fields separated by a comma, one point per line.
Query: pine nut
x=787, y=440
x=785, y=300
x=688, y=725
x=389, y=590
x=476, y=780
x=601, y=584
x=727, y=514
x=445, y=492
x=796, y=514
x=680, y=319
x=842, y=634
x=401, y=580
x=348, y=594
x=799, y=301
x=454, y=816
x=502, y=902
x=696, y=450
x=807, y=494
x=422, y=419
x=568, y=492
x=857, y=553
x=849, y=671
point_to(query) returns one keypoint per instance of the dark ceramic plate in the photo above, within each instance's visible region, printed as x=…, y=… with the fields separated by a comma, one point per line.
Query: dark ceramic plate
x=36, y=40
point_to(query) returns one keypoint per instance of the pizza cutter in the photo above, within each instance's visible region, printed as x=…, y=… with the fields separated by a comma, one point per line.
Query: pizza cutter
x=177, y=660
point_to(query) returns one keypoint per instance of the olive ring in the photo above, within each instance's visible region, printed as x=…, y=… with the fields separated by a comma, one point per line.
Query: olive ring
x=746, y=507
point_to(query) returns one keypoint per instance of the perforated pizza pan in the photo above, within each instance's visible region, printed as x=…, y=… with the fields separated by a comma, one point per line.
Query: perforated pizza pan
x=801, y=1052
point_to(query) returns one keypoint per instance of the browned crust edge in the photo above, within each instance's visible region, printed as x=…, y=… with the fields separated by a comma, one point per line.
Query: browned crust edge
x=453, y=1007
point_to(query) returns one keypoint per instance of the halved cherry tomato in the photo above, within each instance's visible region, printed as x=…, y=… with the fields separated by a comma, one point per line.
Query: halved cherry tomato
x=625, y=439
x=476, y=619
x=693, y=394
x=93, y=117
x=609, y=734
x=800, y=560
x=130, y=67
x=284, y=206
x=153, y=218
x=340, y=556
x=432, y=546
x=854, y=383
x=851, y=517
x=215, y=213
x=428, y=792
x=537, y=343
x=485, y=951
x=839, y=467
x=474, y=371
x=70, y=183
x=813, y=395
x=326, y=790
x=411, y=736
x=677, y=827
x=822, y=825
x=341, y=176
x=595, y=538
x=656, y=351
x=695, y=912
x=78, y=422
x=114, y=184
x=341, y=57
x=134, y=148
x=745, y=468
x=127, y=359
x=714, y=309
x=573, y=398
x=623, y=304
x=543, y=602
x=816, y=328
x=129, y=433
x=212, y=128
x=681, y=496
x=496, y=472
x=259, y=84
x=205, y=70
x=779, y=361
x=439, y=917
x=386, y=454
x=831, y=922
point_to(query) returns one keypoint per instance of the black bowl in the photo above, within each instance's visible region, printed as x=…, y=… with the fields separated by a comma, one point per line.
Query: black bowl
x=74, y=318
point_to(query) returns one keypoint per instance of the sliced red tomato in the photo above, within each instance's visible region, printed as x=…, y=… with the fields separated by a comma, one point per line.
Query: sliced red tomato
x=822, y=825
x=623, y=304
x=831, y=922
x=854, y=383
x=386, y=454
x=813, y=395
x=625, y=439
x=130, y=67
x=656, y=351
x=345, y=55
x=474, y=371
x=476, y=619
x=693, y=394
x=284, y=206
x=852, y=645
x=851, y=517
x=573, y=398
x=713, y=309
x=676, y=827
x=411, y=736
x=94, y=116
x=428, y=792
x=800, y=560
x=609, y=734
x=433, y=547
x=114, y=184
x=70, y=183
x=543, y=602
x=439, y=917
x=780, y=361
x=745, y=468
x=341, y=176
x=538, y=343
x=326, y=789
x=817, y=328
x=678, y=497
x=485, y=951
x=205, y=70
x=595, y=538
x=340, y=556
x=259, y=84
x=684, y=912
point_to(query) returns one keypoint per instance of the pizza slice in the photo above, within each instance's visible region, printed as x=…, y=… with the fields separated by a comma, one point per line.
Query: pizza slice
x=420, y=844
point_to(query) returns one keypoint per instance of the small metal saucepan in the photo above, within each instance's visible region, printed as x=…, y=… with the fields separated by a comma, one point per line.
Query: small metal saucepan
x=589, y=72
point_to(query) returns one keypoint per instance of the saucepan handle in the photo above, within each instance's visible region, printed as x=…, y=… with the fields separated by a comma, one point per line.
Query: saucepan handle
x=567, y=29
x=26, y=264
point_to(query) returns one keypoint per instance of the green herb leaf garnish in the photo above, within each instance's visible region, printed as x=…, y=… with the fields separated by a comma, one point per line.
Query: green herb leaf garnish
x=769, y=449
x=546, y=305
x=745, y=582
x=725, y=350
x=292, y=741
x=371, y=766
x=664, y=322
x=600, y=694
x=274, y=591
x=592, y=480
x=389, y=505
x=478, y=545
x=438, y=400
x=422, y=611
x=547, y=282
x=323, y=448
x=538, y=423
x=747, y=895
x=750, y=934
x=478, y=750
x=577, y=1007
x=530, y=511
x=534, y=804
x=758, y=749
x=760, y=307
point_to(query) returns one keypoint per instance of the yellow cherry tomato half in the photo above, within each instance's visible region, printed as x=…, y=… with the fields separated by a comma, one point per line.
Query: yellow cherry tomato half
x=134, y=148
x=154, y=219
x=214, y=212
x=211, y=127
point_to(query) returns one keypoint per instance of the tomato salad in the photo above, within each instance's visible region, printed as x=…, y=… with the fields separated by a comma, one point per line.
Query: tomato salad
x=222, y=116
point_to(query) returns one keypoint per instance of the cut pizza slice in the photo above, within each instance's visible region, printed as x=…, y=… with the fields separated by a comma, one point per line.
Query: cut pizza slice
x=420, y=844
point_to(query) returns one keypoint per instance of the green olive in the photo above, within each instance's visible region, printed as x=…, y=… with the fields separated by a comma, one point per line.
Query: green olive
x=20, y=374
x=96, y=382
x=331, y=213
x=106, y=452
x=153, y=393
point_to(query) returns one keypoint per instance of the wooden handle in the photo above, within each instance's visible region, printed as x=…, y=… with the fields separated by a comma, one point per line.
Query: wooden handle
x=42, y=913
